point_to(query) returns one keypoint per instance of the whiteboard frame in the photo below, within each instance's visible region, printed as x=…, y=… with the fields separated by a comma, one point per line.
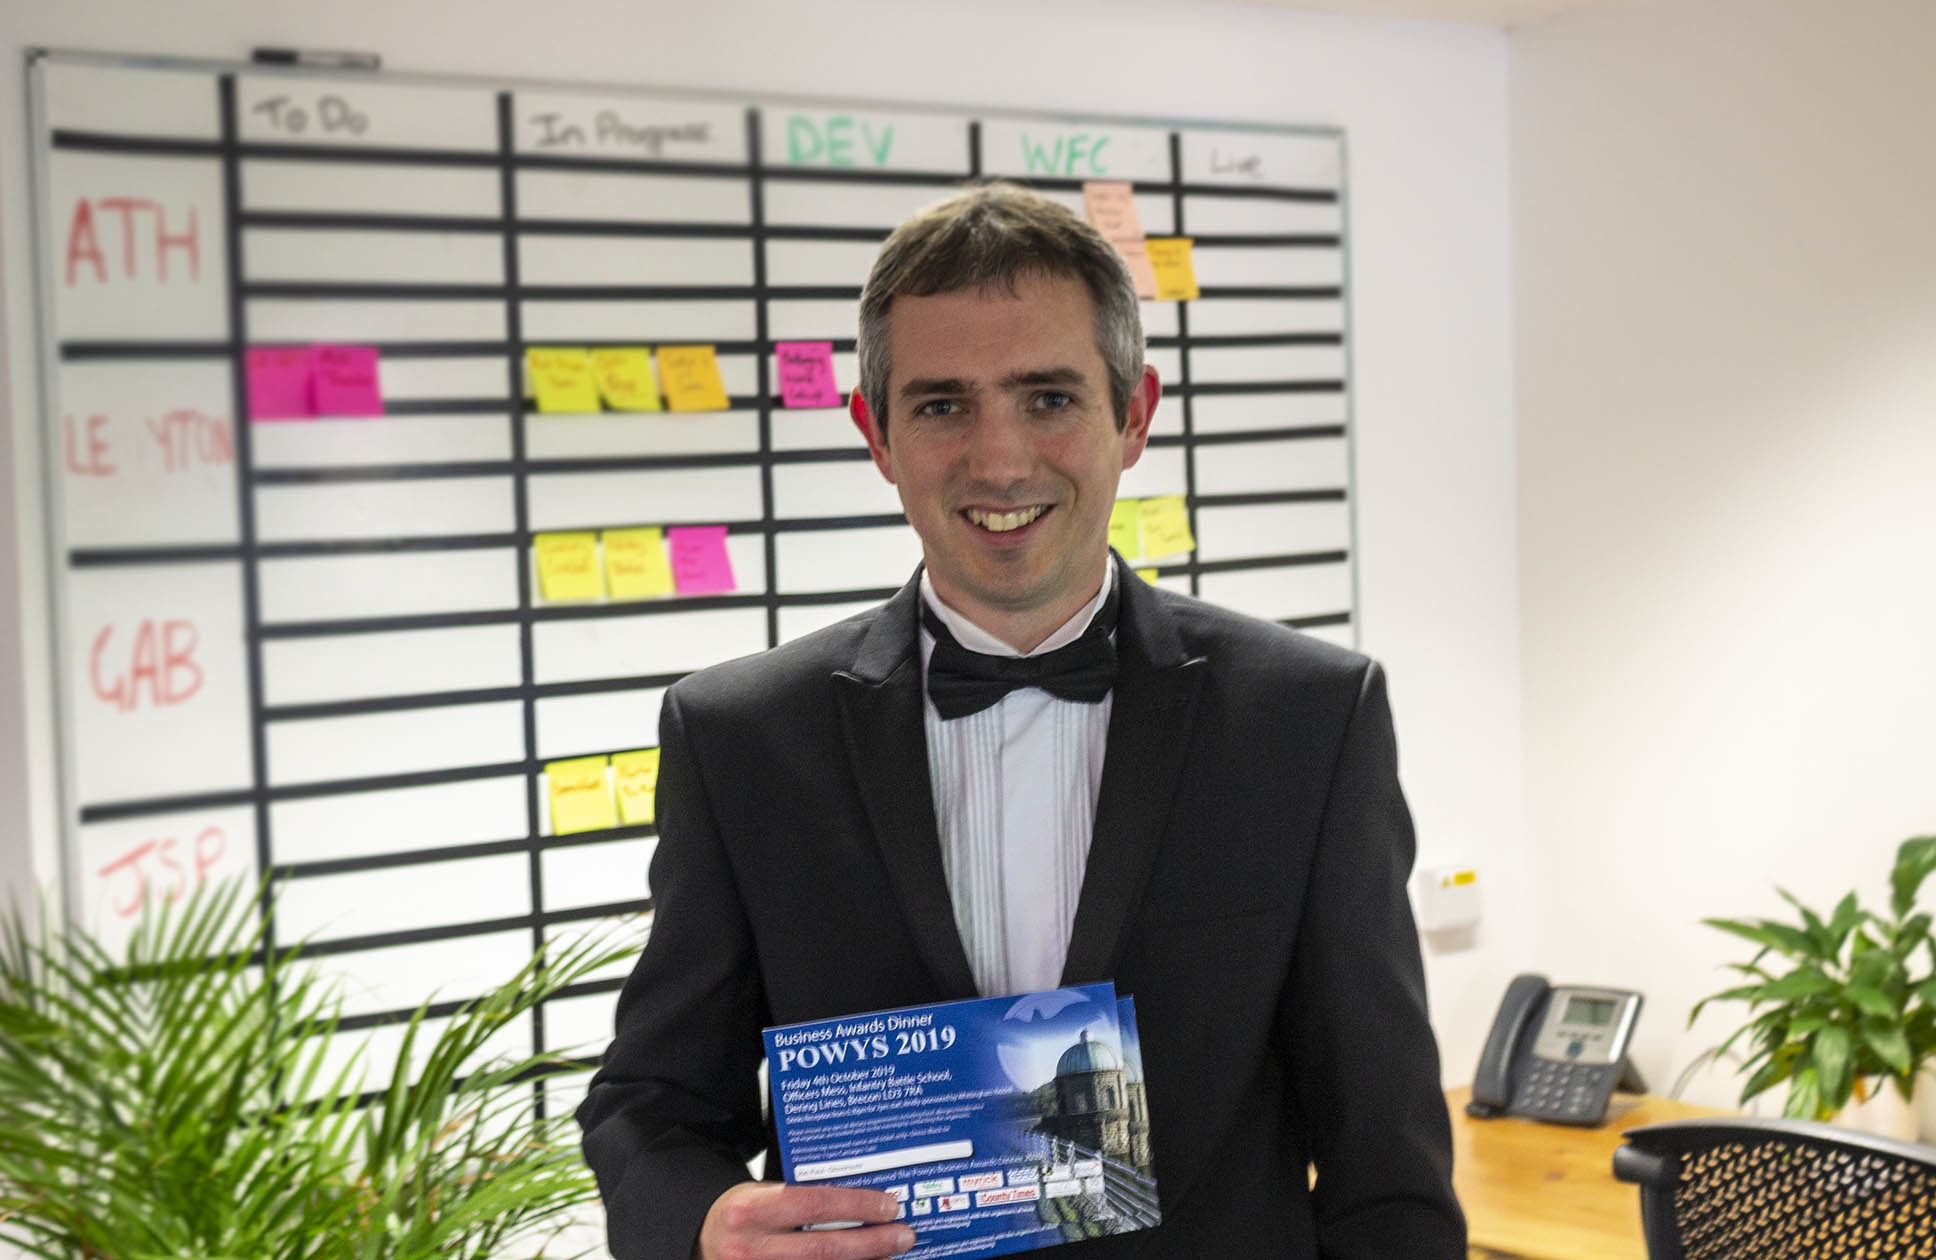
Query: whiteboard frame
x=47, y=357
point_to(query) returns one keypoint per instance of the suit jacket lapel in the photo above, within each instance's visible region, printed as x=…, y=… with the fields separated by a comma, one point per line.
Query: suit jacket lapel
x=1149, y=729
x=880, y=710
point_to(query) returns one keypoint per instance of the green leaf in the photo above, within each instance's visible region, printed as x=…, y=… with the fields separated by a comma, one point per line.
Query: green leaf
x=1875, y=969
x=1740, y=993
x=1773, y=1072
x=1804, y=1096
x=1800, y=983
x=1806, y=1023
x=1817, y=930
x=1915, y=859
x=1776, y=936
x=1888, y=1043
x=1910, y=933
x=1847, y=914
x=1830, y=1049
x=1871, y=1001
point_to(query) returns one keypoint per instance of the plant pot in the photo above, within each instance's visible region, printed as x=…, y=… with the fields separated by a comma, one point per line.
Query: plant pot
x=1885, y=1113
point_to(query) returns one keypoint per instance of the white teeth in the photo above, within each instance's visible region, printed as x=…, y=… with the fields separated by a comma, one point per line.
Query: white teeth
x=1002, y=522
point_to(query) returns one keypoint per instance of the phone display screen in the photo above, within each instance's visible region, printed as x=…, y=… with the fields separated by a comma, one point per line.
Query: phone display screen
x=1592, y=1012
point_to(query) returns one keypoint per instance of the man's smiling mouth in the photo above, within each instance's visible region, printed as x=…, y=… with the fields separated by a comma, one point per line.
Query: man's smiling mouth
x=1002, y=522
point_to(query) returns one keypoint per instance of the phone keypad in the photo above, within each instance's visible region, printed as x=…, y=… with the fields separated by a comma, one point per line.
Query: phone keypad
x=1564, y=1091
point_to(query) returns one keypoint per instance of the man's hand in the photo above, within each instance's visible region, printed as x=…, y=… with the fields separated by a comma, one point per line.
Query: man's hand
x=761, y=1220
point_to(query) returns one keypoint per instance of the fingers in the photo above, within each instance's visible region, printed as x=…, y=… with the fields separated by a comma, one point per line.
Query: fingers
x=769, y=1221
x=790, y=1207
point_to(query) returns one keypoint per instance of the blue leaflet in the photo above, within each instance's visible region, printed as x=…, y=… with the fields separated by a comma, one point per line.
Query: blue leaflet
x=1002, y=1124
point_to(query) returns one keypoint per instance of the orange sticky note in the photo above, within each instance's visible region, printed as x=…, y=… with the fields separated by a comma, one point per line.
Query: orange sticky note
x=581, y=796
x=1136, y=254
x=1126, y=529
x=1176, y=272
x=1166, y=526
x=691, y=376
x=561, y=379
x=1110, y=205
x=635, y=564
x=636, y=775
x=568, y=566
x=624, y=379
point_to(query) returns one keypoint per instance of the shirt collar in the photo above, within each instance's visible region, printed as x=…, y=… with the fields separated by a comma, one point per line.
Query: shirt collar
x=976, y=639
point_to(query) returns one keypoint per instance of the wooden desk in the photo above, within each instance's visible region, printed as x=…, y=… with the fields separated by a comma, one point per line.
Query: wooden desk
x=1536, y=1191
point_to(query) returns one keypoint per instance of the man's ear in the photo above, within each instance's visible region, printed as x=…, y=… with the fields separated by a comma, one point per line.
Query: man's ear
x=871, y=430
x=1142, y=409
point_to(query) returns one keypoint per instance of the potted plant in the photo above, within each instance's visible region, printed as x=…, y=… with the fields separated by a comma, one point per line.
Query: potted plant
x=172, y=1099
x=1840, y=1004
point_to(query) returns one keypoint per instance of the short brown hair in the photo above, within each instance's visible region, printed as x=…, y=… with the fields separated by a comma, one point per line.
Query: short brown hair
x=991, y=235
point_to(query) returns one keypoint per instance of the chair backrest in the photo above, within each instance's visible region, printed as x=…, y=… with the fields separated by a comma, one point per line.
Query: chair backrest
x=1740, y=1188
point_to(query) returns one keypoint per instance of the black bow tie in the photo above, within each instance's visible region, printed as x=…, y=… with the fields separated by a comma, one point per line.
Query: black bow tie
x=961, y=682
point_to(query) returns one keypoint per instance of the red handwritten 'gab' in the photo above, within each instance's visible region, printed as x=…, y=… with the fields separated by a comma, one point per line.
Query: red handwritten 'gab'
x=160, y=661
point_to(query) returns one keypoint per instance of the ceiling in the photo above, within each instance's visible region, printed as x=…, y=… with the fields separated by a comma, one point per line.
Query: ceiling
x=1505, y=13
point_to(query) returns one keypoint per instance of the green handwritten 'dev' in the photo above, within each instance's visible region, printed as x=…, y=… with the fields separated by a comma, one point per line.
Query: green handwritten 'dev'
x=838, y=140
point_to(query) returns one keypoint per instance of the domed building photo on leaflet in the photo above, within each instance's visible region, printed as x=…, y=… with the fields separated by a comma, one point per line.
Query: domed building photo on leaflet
x=1092, y=1120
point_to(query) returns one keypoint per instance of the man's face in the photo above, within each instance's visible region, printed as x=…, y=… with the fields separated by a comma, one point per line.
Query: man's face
x=1001, y=440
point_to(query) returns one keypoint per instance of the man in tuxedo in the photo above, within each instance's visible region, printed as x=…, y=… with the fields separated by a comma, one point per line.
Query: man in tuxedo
x=1029, y=768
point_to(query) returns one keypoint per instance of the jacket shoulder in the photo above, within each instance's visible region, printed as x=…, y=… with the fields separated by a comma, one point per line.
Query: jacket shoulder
x=798, y=668
x=1254, y=645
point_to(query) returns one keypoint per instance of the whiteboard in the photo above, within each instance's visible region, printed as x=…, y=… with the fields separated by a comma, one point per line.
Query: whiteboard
x=318, y=648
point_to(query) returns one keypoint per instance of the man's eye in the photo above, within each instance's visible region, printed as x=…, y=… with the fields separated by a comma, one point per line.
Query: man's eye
x=939, y=407
x=1054, y=400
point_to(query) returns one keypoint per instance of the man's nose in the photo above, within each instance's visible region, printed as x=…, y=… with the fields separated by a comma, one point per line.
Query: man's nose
x=1001, y=449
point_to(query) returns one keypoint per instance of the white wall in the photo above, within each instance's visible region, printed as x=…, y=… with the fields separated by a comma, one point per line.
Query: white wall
x=1424, y=107
x=1725, y=305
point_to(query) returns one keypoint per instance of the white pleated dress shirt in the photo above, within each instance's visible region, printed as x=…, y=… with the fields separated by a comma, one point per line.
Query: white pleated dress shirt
x=1015, y=789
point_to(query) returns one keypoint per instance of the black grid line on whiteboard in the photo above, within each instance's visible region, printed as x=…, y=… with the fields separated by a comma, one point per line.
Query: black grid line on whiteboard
x=1182, y=387
x=1259, y=414
x=763, y=403
x=520, y=486
x=245, y=506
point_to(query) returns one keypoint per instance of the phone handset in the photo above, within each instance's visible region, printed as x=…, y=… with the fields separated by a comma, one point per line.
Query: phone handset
x=1492, y=1085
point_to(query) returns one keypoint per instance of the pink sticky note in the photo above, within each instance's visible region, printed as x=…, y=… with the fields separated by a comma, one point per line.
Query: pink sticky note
x=807, y=373
x=700, y=565
x=280, y=380
x=346, y=381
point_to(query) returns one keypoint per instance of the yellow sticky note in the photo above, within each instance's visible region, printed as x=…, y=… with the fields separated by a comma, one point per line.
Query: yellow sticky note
x=568, y=566
x=625, y=380
x=581, y=796
x=1166, y=526
x=561, y=378
x=636, y=566
x=691, y=375
x=1148, y=575
x=1176, y=273
x=1126, y=529
x=637, y=777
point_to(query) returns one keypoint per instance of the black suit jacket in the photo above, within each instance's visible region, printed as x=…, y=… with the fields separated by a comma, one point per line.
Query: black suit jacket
x=1245, y=884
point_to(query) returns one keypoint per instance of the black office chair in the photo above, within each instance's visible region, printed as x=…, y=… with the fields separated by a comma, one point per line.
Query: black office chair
x=1749, y=1189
